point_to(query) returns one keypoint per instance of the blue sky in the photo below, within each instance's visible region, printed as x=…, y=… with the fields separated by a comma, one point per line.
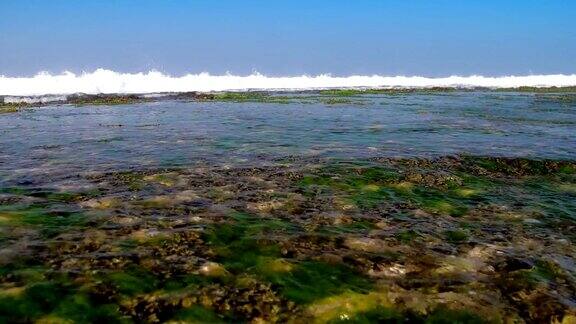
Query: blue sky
x=279, y=37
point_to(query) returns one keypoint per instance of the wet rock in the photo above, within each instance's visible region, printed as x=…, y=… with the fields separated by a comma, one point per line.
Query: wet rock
x=144, y=235
x=266, y=206
x=392, y=271
x=367, y=244
x=213, y=269
x=513, y=264
x=102, y=203
x=342, y=220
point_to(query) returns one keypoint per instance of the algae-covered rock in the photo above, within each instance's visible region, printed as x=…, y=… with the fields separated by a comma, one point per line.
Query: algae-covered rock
x=457, y=239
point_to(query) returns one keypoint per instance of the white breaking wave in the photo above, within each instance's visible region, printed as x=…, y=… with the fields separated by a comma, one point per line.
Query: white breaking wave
x=106, y=81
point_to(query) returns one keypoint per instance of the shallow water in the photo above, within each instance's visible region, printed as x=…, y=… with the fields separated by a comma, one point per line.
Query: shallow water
x=269, y=212
x=65, y=139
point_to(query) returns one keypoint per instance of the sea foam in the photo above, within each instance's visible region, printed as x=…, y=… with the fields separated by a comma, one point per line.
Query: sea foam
x=106, y=81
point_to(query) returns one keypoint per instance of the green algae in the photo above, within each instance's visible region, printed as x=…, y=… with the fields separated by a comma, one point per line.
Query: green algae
x=456, y=236
x=407, y=236
x=34, y=300
x=132, y=281
x=240, y=96
x=6, y=108
x=241, y=246
x=346, y=92
x=134, y=180
x=539, y=89
x=544, y=271
x=403, y=208
x=370, y=186
x=437, y=201
x=363, y=185
x=44, y=295
x=55, y=302
x=128, y=244
x=103, y=99
x=254, y=97
x=24, y=271
x=311, y=281
x=49, y=223
x=384, y=91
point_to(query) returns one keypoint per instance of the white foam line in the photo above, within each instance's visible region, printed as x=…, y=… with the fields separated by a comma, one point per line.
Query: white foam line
x=106, y=81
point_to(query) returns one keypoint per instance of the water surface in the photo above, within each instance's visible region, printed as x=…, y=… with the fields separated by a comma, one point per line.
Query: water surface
x=67, y=139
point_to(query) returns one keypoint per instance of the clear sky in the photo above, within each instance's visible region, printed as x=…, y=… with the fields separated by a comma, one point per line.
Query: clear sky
x=289, y=37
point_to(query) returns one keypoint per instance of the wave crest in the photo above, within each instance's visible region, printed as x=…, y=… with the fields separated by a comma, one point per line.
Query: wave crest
x=107, y=81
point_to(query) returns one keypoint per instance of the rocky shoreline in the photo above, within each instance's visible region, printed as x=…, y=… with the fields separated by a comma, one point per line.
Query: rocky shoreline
x=469, y=239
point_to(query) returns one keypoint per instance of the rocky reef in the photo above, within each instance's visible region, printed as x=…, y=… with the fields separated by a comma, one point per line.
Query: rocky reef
x=454, y=239
x=352, y=96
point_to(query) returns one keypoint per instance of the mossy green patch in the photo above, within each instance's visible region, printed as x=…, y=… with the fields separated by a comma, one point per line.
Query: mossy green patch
x=13, y=107
x=57, y=301
x=456, y=236
x=103, y=99
x=79, y=308
x=252, y=96
x=37, y=299
x=242, y=243
x=364, y=186
x=241, y=248
x=447, y=202
x=539, y=89
x=442, y=206
x=24, y=273
x=310, y=281
x=133, y=281
x=368, y=186
x=542, y=272
x=345, y=92
x=128, y=244
x=384, y=91
x=406, y=236
x=547, y=185
x=240, y=96
x=48, y=222
x=134, y=180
